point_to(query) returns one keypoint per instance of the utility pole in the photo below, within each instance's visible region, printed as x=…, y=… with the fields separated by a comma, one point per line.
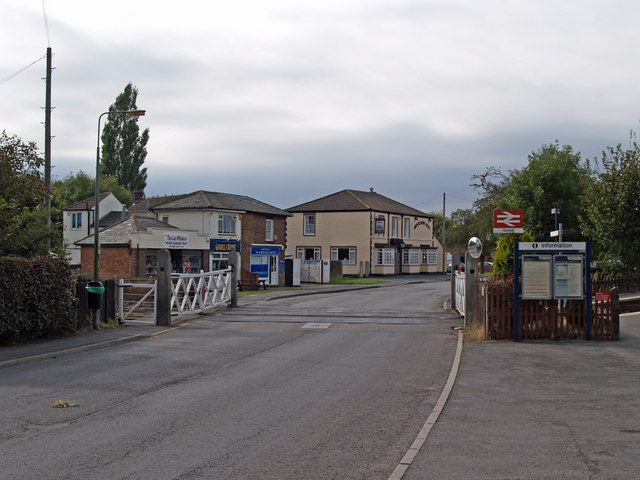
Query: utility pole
x=47, y=139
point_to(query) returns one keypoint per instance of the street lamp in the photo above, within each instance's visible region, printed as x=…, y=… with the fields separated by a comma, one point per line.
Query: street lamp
x=96, y=214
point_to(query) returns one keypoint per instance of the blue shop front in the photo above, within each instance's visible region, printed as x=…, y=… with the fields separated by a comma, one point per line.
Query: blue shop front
x=265, y=261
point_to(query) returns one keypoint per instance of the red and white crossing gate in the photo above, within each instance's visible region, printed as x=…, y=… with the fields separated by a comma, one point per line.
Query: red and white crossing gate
x=508, y=221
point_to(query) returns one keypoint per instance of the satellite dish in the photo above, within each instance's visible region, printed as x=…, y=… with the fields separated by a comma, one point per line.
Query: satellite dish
x=474, y=247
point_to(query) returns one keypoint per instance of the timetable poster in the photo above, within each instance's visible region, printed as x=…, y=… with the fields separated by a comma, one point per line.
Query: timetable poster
x=568, y=277
x=536, y=277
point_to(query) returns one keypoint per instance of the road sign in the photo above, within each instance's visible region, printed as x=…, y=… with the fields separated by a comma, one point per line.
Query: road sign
x=508, y=221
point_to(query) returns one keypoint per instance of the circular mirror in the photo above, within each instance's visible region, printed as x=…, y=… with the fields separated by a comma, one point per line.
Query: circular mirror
x=474, y=247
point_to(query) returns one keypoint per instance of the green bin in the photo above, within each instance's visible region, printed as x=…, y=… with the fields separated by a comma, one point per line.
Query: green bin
x=94, y=295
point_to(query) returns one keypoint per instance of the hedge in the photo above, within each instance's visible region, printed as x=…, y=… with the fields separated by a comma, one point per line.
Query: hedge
x=37, y=299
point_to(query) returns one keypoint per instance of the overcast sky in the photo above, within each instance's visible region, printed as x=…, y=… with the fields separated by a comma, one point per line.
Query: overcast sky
x=290, y=100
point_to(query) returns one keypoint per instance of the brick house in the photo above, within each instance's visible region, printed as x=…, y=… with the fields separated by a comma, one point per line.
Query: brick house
x=129, y=249
x=235, y=223
x=364, y=228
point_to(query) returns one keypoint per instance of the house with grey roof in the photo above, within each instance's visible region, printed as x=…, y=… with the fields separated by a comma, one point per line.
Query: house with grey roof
x=367, y=231
x=233, y=223
x=77, y=221
x=129, y=248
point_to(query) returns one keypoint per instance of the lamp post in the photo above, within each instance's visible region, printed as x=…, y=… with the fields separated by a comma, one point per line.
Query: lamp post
x=96, y=214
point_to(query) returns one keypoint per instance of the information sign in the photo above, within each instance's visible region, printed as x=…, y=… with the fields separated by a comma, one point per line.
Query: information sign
x=536, y=277
x=568, y=276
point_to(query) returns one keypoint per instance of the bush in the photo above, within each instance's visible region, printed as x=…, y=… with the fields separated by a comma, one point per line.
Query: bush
x=503, y=261
x=37, y=299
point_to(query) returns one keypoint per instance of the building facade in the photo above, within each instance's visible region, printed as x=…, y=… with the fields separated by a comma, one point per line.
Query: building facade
x=77, y=221
x=367, y=231
x=232, y=223
x=129, y=249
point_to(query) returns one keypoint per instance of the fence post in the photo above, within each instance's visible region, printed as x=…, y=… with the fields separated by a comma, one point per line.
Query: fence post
x=615, y=313
x=470, y=266
x=234, y=263
x=163, y=289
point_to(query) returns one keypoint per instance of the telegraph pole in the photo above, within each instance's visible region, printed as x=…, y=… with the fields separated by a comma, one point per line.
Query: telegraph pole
x=47, y=140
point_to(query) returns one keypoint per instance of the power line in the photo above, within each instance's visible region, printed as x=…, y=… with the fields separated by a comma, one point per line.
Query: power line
x=46, y=23
x=15, y=74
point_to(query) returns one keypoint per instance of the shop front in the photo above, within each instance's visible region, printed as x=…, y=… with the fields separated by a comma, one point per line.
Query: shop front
x=265, y=261
x=219, y=256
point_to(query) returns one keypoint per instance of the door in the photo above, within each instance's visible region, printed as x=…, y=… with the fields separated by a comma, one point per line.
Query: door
x=274, y=265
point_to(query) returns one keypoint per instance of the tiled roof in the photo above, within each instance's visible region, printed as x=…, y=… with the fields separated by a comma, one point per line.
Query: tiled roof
x=356, y=200
x=202, y=200
x=87, y=203
x=145, y=205
x=120, y=233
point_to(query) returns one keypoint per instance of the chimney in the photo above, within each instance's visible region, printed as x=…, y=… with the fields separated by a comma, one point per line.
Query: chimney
x=371, y=189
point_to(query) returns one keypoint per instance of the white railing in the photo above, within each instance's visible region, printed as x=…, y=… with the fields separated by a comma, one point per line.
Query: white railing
x=460, y=292
x=195, y=292
x=190, y=292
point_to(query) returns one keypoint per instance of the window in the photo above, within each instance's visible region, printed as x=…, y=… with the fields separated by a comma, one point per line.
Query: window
x=411, y=256
x=394, y=227
x=269, y=230
x=429, y=257
x=309, y=224
x=308, y=253
x=385, y=256
x=165, y=219
x=226, y=224
x=76, y=221
x=347, y=255
x=407, y=227
x=379, y=226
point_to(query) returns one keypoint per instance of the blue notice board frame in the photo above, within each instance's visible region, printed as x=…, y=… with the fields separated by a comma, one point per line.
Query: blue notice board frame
x=562, y=250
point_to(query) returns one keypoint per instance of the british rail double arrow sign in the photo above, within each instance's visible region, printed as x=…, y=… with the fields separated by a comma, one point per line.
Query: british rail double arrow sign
x=508, y=221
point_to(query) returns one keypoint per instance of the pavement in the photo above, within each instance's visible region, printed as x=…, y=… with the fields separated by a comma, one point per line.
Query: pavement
x=516, y=410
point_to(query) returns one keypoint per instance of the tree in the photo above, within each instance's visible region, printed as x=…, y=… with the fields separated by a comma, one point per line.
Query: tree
x=123, y=146
x=23, y=216
x=555, y=177
x=78, y=187
x=612, y=203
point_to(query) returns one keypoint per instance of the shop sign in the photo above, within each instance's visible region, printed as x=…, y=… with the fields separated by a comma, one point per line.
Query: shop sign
x=268, y=251
x=175, y=240
x=224, y=246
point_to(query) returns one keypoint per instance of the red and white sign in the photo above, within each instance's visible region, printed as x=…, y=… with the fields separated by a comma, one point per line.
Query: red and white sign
x=508, y=221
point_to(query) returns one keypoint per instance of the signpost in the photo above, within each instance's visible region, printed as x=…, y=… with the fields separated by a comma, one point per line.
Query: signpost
x=508, y=221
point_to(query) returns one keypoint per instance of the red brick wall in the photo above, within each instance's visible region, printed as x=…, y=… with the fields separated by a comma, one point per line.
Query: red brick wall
x=254, y=231
x=115, y=262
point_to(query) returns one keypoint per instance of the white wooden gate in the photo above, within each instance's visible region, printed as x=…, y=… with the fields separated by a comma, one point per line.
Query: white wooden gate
x=190, y=293
x=460, y=292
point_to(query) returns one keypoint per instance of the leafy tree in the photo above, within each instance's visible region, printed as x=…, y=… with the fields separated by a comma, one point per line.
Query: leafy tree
x=23, y=216
x=123, y=146
x=78, y=187
x=612, y=203
x=554, y=178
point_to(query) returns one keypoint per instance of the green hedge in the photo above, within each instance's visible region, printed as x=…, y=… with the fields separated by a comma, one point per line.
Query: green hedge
x=36, y=299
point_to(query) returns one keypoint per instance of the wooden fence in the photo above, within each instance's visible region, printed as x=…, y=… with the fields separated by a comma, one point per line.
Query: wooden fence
x=544, y=319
